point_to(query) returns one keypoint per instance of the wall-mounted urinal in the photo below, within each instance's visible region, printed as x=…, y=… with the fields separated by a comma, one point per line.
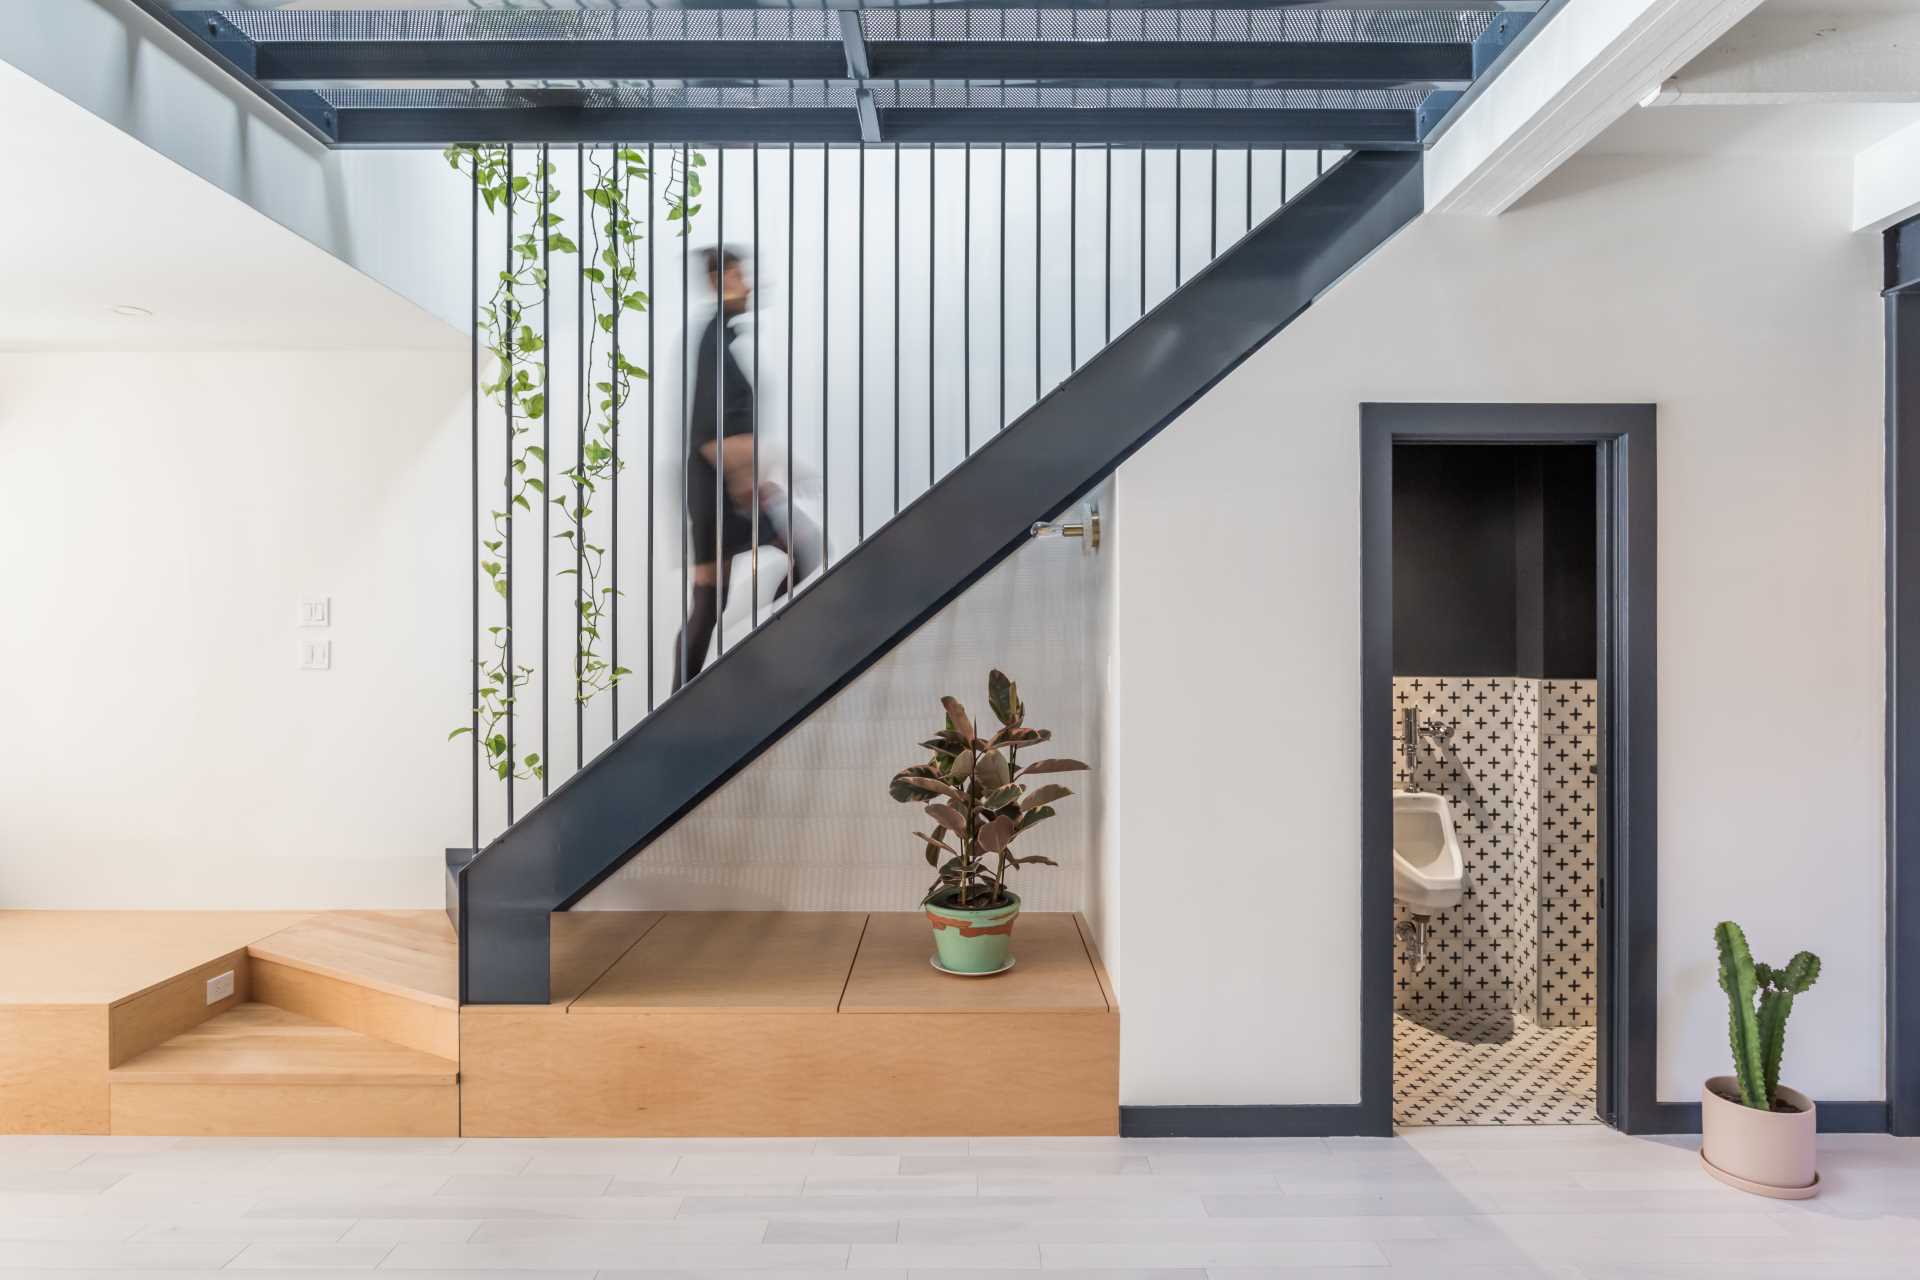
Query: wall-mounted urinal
x=1428, y=872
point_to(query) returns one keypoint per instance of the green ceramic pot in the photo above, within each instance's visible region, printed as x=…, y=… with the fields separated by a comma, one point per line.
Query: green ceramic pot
x=972, y=940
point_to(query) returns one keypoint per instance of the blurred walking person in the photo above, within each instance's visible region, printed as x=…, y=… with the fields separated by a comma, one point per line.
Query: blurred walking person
x=722, y=493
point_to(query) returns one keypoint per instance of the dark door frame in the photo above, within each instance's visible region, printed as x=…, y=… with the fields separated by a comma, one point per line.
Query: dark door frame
x=1623, y=439
x=1902, y=293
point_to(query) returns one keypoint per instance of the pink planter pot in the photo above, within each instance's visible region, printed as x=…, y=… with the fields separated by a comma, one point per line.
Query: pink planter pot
x=1769, y=1153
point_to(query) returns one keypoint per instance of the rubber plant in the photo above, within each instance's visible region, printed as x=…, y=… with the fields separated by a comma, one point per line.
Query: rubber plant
x=1759, y=999
x=516, y=378
x=978, y=799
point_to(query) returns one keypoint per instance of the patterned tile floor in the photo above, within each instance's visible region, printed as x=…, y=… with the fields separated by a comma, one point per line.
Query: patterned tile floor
x=1473, y=1067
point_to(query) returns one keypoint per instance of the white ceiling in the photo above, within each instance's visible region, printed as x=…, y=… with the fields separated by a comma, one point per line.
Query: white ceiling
x=1827, y=128
x=95, y=219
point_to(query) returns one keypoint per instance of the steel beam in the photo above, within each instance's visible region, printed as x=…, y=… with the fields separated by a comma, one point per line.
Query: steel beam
x=1333, y=64
x=1190, y=127
x=444, y=6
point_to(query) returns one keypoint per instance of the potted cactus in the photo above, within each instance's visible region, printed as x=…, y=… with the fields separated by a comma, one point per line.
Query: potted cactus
x=1755, y=1133
x=978, y=799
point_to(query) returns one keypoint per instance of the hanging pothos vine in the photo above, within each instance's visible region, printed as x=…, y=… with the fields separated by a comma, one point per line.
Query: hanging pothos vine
x=516, y=377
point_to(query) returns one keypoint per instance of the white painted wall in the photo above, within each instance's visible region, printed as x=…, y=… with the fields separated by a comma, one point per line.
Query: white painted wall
x=164, y=514
x=1733, y=296
x=391, y=214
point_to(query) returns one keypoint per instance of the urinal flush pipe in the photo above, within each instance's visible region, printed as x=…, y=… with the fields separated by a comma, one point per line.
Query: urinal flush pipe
x=1414, y=936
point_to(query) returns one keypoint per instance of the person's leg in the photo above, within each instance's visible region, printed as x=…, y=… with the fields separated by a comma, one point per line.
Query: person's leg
x=798, y=536
x=709, y=597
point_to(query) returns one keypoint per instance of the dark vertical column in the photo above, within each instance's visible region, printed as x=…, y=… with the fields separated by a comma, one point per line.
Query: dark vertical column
x=687, y=358
x=793, y=183
x=1106, y=249
x=652, y=461
x=512, y=321
x=826, y=360
x=1213, y=203
x=896, y=328
x=546, y=450
x=721, y=335
x=612, y=554
x=860, y=353
x=1179, y=215
x=1001, y=422
x=473, y=487
x=933, y=293
x=1073, y=257
x=1039, y=326
x=1903, y=677
x=754, y=517
x=1143, y=229
x=966, y=296
x=580, y=453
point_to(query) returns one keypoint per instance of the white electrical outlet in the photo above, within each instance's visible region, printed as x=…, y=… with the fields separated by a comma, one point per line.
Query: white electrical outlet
x=316, y=611
x=316, y=655
x=220, y=987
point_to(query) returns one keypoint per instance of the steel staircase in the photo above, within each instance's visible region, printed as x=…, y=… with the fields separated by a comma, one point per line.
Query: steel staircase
x=501, y=898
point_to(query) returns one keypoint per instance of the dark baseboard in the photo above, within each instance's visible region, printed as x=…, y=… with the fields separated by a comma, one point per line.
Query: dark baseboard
x=1833, y=1117
x=1305, y=1121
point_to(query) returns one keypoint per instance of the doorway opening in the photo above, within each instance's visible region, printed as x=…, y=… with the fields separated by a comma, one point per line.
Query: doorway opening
x=1508, y=667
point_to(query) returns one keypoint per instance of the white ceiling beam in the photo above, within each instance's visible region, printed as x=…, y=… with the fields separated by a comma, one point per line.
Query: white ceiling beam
x=1886, y=181
x=1786, y=59
x=1584, y=70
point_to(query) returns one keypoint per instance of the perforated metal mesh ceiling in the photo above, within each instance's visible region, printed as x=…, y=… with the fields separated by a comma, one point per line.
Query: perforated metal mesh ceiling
x=1352, y=73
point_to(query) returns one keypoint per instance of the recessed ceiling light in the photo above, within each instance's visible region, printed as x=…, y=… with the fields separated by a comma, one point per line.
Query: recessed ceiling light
x=131, y=312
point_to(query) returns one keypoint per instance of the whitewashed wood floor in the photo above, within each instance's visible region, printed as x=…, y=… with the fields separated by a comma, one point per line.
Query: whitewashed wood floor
x=1567, y=1203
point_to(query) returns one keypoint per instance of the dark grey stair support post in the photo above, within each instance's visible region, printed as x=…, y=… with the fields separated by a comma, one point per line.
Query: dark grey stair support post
x=914, y=566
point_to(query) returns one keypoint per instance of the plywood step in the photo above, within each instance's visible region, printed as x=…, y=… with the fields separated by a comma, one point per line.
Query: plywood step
x=261, y=1044
x=389, y=974
x=258, y=1071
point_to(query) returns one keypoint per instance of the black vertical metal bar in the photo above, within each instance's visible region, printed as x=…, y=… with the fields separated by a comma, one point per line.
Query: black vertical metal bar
x=720, y=344
x=1073, y=258
x=581, y=402
x=754, y=516
x=1143, y=228
x=933, y=289
x=612, y=554
x=1213, y=204
x=1248, y=192
x=966, y=295
x=473, y=486
x=513, y=299
x=826, y=357
x=1106, y=250
x=1283, y=176
x=1179, y=214
x=1319, y=163
x=687, y=362
x=651, y=462
x=896, y=328
x=546, y=451
x=793, y=279
x=1000, y=422
x=860, y=353
x=1038, y=324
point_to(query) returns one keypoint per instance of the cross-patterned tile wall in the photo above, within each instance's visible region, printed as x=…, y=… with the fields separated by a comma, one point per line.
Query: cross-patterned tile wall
x=1569, y=849
x=1517, y=771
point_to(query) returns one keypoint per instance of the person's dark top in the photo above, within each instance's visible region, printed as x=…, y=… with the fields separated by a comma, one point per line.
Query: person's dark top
x=737, y=402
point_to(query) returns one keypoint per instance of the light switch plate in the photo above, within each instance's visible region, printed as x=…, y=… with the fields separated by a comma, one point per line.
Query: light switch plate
x=219, y=987
x=316, y=611
x=316, y=655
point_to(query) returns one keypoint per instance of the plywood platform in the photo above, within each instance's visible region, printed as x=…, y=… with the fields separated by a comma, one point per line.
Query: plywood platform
x=801, y=1023
x=675, y=1023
